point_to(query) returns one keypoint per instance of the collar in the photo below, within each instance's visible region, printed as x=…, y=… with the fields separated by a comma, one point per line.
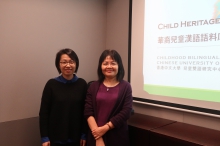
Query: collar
x=65, y=81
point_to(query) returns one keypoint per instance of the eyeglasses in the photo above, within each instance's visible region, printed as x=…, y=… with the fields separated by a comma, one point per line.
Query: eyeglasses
x=64, y=63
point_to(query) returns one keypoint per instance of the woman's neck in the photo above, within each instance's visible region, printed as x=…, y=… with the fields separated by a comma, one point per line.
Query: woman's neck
x=68, y=77
x=110, y=82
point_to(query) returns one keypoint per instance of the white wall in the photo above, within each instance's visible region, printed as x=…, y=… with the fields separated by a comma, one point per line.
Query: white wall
x=32, y=31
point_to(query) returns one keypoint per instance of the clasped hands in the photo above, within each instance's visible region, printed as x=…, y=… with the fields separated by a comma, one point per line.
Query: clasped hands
x=99, y=131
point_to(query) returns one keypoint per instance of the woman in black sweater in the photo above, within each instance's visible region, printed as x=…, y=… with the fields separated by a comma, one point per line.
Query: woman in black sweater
x=62, y=104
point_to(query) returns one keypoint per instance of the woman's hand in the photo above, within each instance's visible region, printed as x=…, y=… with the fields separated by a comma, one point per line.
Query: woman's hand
x=46, y=143
x=82, y=142
x=100, y=131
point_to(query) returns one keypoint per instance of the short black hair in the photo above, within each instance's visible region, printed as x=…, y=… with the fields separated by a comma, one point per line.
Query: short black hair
x=68, y=52
x=116, y=57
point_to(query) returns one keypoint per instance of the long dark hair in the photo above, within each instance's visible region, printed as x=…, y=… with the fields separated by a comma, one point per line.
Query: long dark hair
x=116, y=57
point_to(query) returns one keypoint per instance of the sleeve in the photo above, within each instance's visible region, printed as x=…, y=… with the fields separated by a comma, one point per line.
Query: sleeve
x=123, y=114
x=85, y=125
x=89, y=109
x=44, y=112
x=45, y=139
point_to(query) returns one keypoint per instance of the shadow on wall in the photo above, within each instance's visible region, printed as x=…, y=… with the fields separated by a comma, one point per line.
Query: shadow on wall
x=20, y=132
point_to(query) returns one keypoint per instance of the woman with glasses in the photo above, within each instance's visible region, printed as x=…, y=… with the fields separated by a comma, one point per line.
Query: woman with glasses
x=62, y=104
x=108, y=103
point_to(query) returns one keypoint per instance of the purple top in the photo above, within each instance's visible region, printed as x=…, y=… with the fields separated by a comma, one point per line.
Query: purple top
x=105, y=100
x=119, y=114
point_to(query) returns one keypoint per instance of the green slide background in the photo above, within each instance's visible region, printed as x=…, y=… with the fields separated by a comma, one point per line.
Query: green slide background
x=189, y=93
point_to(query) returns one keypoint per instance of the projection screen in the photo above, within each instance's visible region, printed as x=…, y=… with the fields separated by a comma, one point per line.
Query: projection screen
x=175, y=54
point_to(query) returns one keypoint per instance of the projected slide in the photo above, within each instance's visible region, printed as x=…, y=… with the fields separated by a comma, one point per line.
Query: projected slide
x=181, y=55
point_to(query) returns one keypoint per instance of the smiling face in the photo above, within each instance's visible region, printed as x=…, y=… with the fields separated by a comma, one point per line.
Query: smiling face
x=109, y=68
x=67, y=66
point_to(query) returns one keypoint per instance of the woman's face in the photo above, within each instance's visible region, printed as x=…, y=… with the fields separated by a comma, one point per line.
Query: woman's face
x=67, y=66
x=109, y=68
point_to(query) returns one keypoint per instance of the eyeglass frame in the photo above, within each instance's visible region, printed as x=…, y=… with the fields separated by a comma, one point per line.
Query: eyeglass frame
x=65, y=63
